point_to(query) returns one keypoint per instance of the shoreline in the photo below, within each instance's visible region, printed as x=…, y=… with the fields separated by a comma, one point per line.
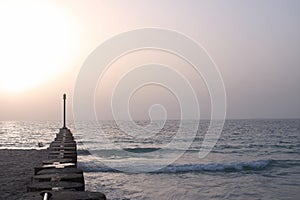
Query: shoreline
x=16, y=170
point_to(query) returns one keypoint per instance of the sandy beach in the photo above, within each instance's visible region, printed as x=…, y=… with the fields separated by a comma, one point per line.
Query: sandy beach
x=16, y=170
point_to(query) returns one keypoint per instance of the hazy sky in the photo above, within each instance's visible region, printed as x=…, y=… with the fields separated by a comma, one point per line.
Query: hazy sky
x=255, y=44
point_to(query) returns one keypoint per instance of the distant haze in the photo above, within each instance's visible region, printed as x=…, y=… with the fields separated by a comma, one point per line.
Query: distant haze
x=254, y=43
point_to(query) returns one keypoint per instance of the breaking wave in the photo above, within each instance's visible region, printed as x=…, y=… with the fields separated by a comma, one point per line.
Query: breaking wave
x=211, y=167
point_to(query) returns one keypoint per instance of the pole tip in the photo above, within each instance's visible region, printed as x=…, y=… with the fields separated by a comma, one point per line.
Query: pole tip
x=64, y=96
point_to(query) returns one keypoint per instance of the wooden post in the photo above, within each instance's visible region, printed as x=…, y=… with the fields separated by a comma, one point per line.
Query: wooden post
x=64, y=97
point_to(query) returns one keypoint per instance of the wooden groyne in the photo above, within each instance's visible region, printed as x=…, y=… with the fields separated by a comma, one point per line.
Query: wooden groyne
x=58, y=177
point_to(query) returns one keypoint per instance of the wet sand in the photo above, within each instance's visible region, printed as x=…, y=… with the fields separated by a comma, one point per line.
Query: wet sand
x=16, y=170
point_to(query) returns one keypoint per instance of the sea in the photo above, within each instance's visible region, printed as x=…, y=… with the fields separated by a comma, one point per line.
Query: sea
x=252, y=159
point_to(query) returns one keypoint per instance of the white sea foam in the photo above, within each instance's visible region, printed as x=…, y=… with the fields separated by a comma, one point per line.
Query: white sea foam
x=235, y=166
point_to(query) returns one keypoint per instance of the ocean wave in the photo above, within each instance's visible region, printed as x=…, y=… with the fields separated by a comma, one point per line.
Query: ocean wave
x=136, y=150
x=186, y=168
x=236, y=166
x=125, y=151
x=141, y=150
x=226, y=149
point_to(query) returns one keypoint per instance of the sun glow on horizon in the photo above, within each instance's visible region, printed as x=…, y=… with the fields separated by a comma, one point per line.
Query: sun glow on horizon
x=38, y=40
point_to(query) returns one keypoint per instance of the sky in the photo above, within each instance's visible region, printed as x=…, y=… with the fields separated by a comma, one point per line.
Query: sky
x=255, y=45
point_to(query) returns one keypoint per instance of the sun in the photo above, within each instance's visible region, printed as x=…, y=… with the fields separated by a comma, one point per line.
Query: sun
x=38, y=40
